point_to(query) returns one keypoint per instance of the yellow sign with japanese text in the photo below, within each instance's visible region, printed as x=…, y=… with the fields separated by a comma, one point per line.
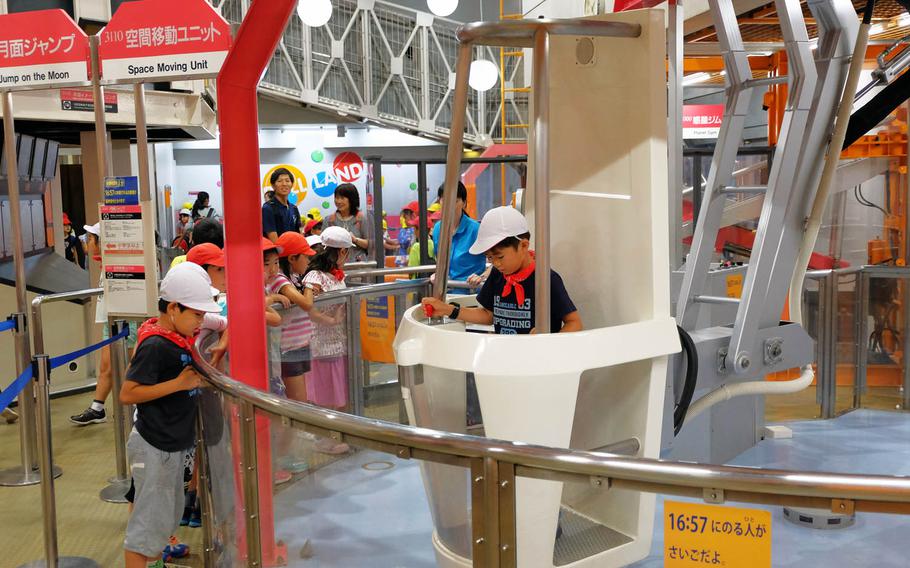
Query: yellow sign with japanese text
x=735, y=286
x=377, y=329
x=697, y=535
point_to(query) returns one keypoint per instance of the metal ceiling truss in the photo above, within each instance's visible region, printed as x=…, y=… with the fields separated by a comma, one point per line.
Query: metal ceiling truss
x=377, y=61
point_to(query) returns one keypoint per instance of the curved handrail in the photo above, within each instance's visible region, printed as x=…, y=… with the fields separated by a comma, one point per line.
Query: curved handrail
x=879, y=493
x=520, y=33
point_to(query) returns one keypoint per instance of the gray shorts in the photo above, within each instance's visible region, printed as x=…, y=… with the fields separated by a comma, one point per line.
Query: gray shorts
x=158, y=504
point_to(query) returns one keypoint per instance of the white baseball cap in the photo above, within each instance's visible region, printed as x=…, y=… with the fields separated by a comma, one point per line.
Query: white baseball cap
x=498, y=224
x=314, y=240
x=93, y=229
x=186, y=211
x=336, y=237
x=190, y=286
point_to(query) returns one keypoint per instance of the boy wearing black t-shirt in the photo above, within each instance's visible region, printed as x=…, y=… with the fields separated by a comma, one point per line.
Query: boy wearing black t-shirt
x=507, y=297
x=163, y=385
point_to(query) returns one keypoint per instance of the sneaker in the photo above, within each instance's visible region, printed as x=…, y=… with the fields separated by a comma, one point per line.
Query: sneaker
x=9, y=415
x=89, y=416
x=185, y=519
x=195, y=519
x=175, y=549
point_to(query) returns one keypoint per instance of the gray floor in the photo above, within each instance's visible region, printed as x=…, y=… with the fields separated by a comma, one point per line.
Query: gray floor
x=863, y=441
x=355, y=513
x=367, y=510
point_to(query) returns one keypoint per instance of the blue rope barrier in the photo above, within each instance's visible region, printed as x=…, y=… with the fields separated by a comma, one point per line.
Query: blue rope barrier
x=64, y=359
x=8, y=325
x=13, y=390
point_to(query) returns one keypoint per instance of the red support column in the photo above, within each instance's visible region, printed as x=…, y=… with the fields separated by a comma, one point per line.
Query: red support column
x=239, y=130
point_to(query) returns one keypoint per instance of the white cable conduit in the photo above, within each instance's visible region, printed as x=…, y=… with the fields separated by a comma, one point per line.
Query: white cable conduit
x=728, y=391
x=828, y=174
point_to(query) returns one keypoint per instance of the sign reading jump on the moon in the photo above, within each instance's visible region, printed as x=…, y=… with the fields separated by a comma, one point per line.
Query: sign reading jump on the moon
x=163, y=39
x=42, y=49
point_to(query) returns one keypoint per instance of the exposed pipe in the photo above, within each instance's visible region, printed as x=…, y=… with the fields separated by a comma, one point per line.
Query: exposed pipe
x=831, y=160
x=728, y=391
x=238, y=81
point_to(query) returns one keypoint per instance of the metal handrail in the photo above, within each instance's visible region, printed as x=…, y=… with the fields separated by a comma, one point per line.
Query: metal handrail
x=879, y=493
x=37, y=324
x=520, y=33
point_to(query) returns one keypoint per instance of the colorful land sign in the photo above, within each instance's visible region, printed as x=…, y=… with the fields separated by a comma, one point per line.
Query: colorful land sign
x=348, y=167
x=163, y=39
x=42, y=49
x=712, y=535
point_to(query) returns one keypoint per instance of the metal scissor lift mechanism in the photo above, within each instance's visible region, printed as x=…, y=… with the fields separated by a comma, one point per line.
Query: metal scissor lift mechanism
x=758, y=342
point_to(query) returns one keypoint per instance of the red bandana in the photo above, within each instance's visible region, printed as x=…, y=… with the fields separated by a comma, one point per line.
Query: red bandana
x=338, y=274
x=151, y=328
x=515, y=280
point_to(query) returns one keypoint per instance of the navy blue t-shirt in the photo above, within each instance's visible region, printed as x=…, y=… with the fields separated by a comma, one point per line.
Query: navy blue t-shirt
x=509, y=318
x=279, y=218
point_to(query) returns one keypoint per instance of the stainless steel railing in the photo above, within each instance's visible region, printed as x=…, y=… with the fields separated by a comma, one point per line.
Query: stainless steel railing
x=502, y=460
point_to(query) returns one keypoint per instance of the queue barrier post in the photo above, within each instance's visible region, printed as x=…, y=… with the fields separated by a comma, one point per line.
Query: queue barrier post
x=27, y=472
x=121, y=415
x=42, y=369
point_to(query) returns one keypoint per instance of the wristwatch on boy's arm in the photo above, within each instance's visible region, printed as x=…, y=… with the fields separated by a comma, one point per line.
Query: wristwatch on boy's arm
x=456, y=309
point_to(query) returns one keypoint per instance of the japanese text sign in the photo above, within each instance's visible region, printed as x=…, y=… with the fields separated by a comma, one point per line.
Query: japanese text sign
x=163, y=39
x=42, y=49
x=123, y=190
x=711, y=535
x=702, y=121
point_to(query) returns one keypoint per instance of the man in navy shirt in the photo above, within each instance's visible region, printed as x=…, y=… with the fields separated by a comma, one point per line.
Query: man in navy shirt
x=507, y=297
x=279, y=216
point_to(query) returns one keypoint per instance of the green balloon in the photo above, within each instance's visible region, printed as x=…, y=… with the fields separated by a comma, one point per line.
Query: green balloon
x=317, y=156
x=325, y=204
x=413, y=186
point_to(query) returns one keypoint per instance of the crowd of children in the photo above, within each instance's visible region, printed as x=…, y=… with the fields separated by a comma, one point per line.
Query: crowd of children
x=309, y=354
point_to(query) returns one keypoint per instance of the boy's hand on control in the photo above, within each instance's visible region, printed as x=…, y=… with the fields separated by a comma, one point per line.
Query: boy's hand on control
x=475, y=280
x=189, y=379
x=436, y=307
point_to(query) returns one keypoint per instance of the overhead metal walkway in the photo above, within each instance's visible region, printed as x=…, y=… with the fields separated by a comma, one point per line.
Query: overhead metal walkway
x=375, y=61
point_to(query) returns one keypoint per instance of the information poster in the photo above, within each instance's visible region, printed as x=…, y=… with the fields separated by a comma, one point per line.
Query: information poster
x=123, y=255
x=713, y=535
x=121, y=190
x=377, y=329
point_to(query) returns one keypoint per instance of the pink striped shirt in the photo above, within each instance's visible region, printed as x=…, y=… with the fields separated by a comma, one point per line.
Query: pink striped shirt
x=296, y=326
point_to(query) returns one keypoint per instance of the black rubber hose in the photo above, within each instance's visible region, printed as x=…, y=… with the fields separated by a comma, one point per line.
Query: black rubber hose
x=685, y=399
x=879, y=107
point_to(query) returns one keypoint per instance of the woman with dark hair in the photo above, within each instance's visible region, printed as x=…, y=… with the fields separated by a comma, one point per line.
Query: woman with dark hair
x=201, y=208
x=349, y=217
x=278, y=215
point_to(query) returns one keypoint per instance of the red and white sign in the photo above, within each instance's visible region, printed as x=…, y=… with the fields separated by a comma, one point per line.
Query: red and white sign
x=164, y=39
x=702, y=121
x=84, y=101
x=348, y=167
x=42, y=49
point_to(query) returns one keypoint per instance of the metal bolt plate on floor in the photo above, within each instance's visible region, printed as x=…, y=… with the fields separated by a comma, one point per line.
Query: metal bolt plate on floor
x=115, y=492
x=818, y=518
x=65, y=562
x=17, y=477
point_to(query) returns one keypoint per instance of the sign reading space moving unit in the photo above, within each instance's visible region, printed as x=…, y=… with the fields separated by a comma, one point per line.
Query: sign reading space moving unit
x=42, y=49
x=154, y=40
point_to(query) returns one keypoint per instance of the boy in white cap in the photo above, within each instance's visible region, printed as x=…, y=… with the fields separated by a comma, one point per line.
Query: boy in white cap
x=163, y=385
x=507, y=297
